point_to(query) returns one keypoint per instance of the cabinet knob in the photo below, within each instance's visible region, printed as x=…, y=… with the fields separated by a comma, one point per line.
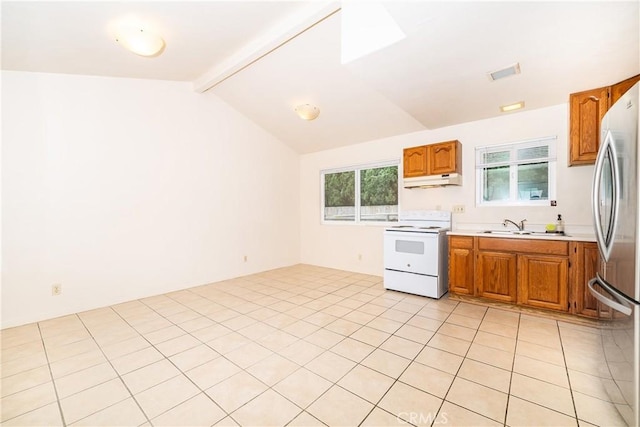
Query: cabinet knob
x=408, y=265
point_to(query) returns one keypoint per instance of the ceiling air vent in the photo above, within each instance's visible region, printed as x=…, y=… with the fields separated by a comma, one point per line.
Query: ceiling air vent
x=505, y=72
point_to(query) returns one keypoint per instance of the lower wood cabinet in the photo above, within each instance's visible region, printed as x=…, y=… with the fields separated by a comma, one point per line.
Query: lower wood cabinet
x=549, y=274
x=461, y=265
x=543, y=281
x=585, y=257
x=496, y=275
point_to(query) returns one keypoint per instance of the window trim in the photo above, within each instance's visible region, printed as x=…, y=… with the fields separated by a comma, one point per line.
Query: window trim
x=357, y=169
x=550, y=141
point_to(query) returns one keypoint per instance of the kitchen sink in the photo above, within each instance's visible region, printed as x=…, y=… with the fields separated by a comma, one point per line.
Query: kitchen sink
x=524, y=233
x=506, y=232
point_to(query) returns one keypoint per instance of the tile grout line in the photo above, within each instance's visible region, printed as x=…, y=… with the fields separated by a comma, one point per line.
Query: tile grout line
x=344, y=337
x=55, y=388
x=304, y=410
x=566, y=369
x=76, y=315
x=397, y=379
x=513, y=364
x=426, y=345
x=444, y=399
x=170, y=361
x=283, y=281
x=173, y=364
x=335, y=383
x=201, y=341
x=375, y=404
x=117, y=373
x=222, y=355
x=546, y=382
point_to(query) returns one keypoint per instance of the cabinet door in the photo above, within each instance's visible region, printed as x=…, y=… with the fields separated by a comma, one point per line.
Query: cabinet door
x=414, y=161
x=496, y=275
x=586, y=112
x=461, y=265
x=543, y=281
x=618, y=89
x=585, y=262
x=443, y=158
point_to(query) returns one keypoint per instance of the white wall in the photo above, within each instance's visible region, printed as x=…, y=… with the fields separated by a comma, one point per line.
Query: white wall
x=122, y=188
x=338, y=246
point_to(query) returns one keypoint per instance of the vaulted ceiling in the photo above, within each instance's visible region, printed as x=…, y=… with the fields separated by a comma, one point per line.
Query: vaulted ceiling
x=265, y=58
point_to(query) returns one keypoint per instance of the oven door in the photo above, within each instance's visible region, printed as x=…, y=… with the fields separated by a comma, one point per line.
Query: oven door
x=411, y=252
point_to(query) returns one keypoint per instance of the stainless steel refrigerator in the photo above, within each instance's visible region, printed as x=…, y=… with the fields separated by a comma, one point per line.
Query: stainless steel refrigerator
x=615, y=211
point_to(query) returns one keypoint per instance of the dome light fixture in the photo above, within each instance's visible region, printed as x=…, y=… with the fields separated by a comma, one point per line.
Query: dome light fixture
x=140, y=41
x=307, y=111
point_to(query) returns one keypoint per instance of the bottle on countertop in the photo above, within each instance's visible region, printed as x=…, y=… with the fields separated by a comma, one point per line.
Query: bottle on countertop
x=560, y=224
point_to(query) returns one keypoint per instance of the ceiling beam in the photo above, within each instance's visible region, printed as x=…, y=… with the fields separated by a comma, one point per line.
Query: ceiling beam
x=287, y=30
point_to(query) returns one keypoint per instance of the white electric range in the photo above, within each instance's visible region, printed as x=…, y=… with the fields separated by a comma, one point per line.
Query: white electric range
x=416, y=253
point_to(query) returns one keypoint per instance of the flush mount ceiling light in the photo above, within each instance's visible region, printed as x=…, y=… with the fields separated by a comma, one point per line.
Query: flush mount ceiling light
x=140, y=41
x=307, y=111
x=504, y=72
x=512, y=107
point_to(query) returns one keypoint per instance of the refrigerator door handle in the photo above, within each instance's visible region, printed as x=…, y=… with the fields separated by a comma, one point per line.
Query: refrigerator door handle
x=604, y=241
x=618, y=303
x=595, y=199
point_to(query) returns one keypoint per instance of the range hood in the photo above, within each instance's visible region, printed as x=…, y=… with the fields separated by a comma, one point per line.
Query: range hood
x=433, y=181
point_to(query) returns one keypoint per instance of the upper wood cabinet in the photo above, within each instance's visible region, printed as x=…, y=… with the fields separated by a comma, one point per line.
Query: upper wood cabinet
x=445, y=157
x=434, y=159
x=414, y=161
x=618, y=89
x=586, y=110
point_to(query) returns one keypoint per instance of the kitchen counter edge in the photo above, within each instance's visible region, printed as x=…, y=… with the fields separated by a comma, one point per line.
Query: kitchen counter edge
x=550, y=236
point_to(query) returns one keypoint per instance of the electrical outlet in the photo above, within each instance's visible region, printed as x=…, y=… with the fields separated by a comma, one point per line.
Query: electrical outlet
x=459, y=209
x=56, y=289
x=245, y=258
x=359, y=257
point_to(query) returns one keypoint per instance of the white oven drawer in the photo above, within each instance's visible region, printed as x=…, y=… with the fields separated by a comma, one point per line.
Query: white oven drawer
x=411, y=252
x=428, y=286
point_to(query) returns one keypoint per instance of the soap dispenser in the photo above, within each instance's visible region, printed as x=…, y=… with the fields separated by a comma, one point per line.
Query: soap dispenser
x=560, y=225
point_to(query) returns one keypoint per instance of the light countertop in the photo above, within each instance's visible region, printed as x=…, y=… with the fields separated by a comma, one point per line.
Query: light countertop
x=575, y=237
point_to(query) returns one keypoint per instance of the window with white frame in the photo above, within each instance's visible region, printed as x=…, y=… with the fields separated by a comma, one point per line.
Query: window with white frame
x=516, y=174
x=367, y=193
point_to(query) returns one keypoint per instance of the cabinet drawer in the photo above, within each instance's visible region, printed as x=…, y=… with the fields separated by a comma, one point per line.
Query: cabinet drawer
x=461, y=242
x=547, y=247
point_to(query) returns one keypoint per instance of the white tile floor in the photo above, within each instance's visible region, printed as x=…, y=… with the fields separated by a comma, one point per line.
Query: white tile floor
x=303, y=346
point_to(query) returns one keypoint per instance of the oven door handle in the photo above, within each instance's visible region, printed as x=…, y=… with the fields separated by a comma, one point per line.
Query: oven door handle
x=617, y=303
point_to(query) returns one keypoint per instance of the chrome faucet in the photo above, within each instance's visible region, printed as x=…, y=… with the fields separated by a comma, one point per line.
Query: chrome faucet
x=519, y=226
